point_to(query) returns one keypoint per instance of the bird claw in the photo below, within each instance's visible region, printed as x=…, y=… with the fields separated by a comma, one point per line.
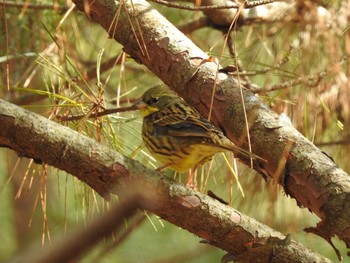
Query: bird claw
x=191, y=181
x=192, y=185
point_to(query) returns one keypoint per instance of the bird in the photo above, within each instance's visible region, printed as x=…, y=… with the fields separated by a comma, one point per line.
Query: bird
x=177, y=135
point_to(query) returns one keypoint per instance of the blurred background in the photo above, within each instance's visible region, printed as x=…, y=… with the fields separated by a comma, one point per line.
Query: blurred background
x=55, y=62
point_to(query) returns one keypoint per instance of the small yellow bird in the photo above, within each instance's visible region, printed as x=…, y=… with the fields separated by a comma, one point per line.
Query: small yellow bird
x=177, y=135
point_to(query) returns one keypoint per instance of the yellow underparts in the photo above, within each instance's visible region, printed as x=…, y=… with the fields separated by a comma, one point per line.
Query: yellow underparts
x=198, y=155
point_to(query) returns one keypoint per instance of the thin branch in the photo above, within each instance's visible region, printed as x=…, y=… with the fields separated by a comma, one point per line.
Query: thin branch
x=332, y=143
x=311, y=80
x=12, y=4
x=116, y=60
x=247, y=5
x=100, y=113
x=195, y=25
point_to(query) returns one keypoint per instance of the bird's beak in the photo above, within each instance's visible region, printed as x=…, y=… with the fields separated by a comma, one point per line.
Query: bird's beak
x=139, y=105
x=142, y=106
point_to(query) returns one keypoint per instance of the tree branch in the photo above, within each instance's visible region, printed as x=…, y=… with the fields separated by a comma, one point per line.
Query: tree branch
x=108, y=171
x=306, y=173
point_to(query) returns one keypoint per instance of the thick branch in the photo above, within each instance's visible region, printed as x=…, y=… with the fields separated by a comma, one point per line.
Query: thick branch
x=307, y=174
x=106, y=170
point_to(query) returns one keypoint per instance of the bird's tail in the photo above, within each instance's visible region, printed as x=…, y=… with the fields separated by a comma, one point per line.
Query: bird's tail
x=238, y=150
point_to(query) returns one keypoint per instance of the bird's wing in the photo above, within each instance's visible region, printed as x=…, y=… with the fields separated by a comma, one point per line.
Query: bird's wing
x=180, y=120
x=181, y=124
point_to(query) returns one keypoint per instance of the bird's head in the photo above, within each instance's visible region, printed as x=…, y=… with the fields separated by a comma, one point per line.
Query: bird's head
x=155, y=99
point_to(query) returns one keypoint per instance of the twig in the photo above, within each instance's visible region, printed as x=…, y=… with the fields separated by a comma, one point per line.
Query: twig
x=340, y=142
x=116, y=60
x=195, y=25
x=36, y=6
x=96, y=114
x=247, y=5
x=310, y=80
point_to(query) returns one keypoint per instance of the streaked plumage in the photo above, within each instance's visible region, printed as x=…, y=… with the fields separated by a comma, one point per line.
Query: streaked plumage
x=176, y=134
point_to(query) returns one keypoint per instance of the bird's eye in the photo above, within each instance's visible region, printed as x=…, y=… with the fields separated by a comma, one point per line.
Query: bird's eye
x=153, y=101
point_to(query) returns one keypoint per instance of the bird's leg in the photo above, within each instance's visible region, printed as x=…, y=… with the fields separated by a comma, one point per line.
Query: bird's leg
x=191, y=181
x=161, y=168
